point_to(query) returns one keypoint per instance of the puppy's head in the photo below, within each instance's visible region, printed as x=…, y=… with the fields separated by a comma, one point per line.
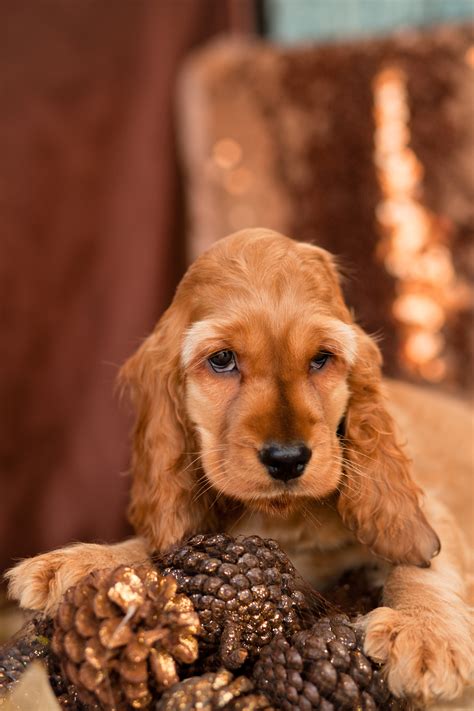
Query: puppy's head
x=266, y=359
x=244, y=389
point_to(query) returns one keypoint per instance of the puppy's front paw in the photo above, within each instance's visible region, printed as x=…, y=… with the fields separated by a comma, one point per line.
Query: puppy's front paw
x=427, y=657
x=39, y=583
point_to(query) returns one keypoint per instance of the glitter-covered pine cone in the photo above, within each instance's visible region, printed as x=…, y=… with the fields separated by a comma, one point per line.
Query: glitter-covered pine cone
x=214, y=690
x=26, y=646
x=125, y=638
x=122, y=635
x=322, y=668
x=244, y=589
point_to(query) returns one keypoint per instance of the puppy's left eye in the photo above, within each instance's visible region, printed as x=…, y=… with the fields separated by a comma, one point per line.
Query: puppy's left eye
x=223, y=362
x=319, y=360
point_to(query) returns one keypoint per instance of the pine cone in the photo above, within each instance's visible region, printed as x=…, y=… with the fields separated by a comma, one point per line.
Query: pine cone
x=217, y=690
x=66, y=693
x=356, y=592
x=28, y=644
x=244, y=590
x=33, y=641
x=120, y=636
x=322, y=668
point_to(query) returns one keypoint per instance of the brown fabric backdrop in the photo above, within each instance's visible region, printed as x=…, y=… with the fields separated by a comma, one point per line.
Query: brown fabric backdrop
x=90, y=244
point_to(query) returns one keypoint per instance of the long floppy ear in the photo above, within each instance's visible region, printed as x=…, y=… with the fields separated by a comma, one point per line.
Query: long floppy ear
x=162, y=506
x=379, y=501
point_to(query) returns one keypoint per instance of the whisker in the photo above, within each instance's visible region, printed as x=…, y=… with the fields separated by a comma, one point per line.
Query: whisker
x=310, y=516
x=218, y=448
x=219, y=476
x=347, y=466
x=356, y=451
x=211, y=450
x=245, y=511
x=191, y=463
x=206, y=485
x=353, y=467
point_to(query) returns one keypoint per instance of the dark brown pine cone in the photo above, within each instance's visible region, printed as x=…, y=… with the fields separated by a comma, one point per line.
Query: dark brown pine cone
x=356, y=592
x=322, y=668
x=120, y=635
x=28, y=644
x=32, y=642
x=216, y=690
x=244, y=589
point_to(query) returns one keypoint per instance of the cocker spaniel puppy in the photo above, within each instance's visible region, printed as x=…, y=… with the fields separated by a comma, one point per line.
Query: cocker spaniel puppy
x=260, y=407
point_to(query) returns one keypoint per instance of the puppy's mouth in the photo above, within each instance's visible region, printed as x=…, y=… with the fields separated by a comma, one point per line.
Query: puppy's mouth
x=276, y=498
x=269, y=497
x=279, y=505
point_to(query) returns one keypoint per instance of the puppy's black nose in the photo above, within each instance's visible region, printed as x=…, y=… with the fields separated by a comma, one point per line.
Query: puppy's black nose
x=285, y=461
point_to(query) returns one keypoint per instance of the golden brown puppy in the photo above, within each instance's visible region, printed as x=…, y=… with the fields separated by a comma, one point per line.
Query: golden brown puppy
x=261, y=408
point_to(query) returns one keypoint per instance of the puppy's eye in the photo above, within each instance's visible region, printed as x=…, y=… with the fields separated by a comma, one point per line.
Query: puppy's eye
x=223, y=362
x=319, y=360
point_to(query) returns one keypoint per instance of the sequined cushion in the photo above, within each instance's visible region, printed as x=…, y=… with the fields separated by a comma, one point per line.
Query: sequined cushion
x=366, y=148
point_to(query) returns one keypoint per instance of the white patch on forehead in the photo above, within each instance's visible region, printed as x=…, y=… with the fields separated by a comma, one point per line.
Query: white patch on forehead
x=196, y=334
x=349, y=338
x=344, y=335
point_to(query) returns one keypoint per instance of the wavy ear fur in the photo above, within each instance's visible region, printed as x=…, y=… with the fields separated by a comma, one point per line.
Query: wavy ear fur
x=379, y=501
x=162, y=507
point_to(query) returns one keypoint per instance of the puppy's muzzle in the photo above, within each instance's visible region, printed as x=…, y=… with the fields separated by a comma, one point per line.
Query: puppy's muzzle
x=285, y=461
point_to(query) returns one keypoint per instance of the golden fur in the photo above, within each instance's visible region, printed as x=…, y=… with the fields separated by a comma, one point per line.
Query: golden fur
x=276, y=303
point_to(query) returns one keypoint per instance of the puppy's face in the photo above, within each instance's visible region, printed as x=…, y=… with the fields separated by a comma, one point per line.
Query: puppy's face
x=265, y=362
x=252, y=365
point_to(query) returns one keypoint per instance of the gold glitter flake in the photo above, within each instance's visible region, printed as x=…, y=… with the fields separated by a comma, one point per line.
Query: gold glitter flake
x=164, y=668
x=127, y=591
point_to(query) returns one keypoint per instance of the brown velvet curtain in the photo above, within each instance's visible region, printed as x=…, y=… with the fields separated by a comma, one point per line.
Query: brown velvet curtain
x=91, y=244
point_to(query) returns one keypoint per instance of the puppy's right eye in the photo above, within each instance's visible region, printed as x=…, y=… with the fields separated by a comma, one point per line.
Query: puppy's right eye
x=223, y=362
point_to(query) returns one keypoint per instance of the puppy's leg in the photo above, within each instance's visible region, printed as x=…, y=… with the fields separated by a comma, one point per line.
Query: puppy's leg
x=39, y=583
x=424, y=635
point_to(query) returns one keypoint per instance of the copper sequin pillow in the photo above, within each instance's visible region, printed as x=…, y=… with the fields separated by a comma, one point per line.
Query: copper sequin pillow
x=367, y=149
